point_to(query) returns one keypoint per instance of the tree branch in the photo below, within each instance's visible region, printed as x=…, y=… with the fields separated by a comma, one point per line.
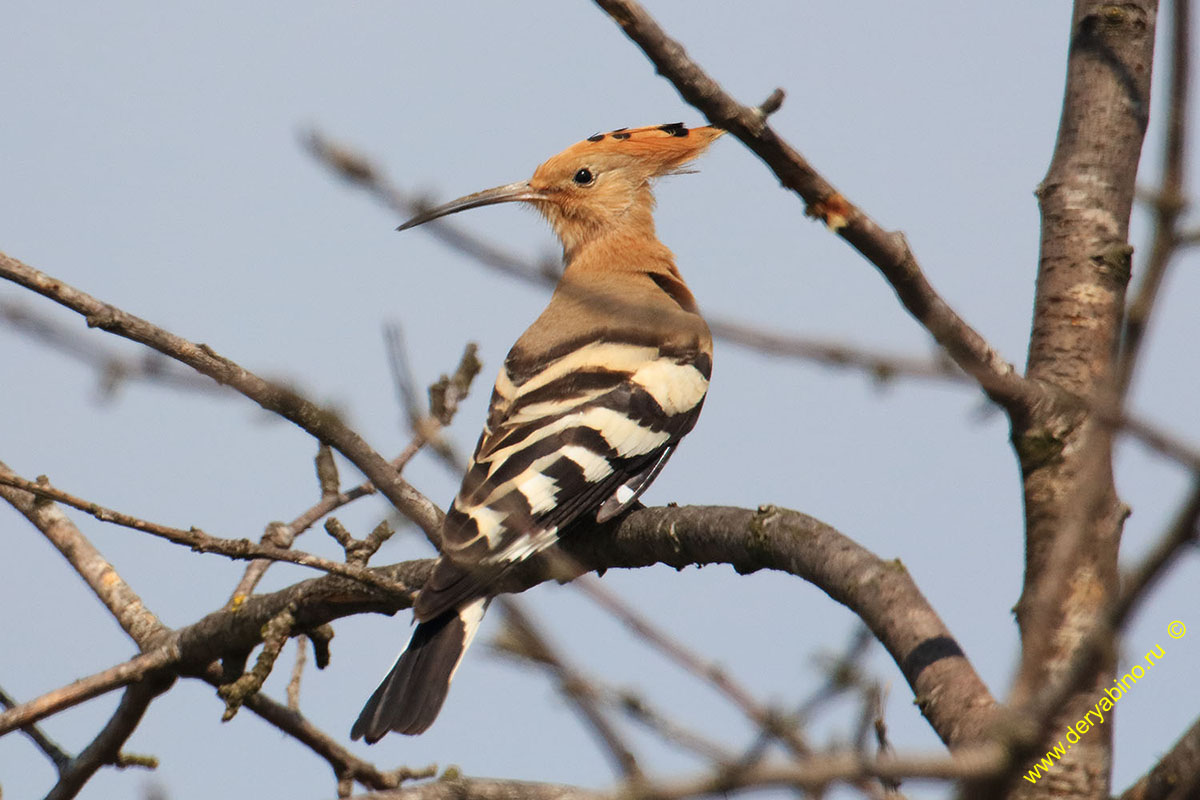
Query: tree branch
x=888, y=251
x=1073, y=517
x=101, y=577
x=949, y=692
x=320, y=423
x=523, y=639
x=105, y=749
x=112, y=367
x=48, y=746
x=813, y=774
x=86, y=688
x=1170, y=200
x=194, y=538
x=458, y=787
x=360, y=171
x=1175, y=776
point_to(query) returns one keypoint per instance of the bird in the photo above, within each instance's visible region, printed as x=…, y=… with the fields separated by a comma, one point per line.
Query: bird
x=588, y=406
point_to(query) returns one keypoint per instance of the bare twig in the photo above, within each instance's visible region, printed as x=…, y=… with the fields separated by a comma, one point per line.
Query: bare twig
x=275, y=635
x=458, y=385
x=43, y=742
x=768, y=720
x=347, y=767
x=425, y=424
x=644, y=713
x=457, y=787
x=113, y=367
x=524, y=640
x=842, y=673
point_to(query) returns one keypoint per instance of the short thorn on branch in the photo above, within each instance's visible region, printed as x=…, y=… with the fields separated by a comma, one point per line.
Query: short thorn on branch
x=772, y=104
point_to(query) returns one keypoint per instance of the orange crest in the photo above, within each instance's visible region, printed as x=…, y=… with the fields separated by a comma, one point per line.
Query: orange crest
x=655, y=149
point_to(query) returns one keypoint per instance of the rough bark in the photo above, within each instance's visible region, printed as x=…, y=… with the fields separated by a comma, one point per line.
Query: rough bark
x=1073, y=515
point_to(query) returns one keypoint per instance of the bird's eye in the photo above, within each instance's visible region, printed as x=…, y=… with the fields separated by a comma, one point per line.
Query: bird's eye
x=583, y=177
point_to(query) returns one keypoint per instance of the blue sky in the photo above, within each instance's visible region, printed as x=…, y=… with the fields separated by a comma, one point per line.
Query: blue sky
x=152, y=157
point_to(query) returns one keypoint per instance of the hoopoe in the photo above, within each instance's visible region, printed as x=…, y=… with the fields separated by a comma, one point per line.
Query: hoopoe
x=589, y=405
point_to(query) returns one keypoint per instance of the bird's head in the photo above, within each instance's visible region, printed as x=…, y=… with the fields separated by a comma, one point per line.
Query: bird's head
x=599, y=185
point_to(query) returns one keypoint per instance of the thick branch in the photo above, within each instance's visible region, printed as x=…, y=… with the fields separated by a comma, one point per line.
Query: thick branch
x=1073, y=516
x=948, y=690
x=1169, y=202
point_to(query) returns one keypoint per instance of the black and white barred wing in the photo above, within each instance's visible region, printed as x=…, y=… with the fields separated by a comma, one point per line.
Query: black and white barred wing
x=579, y=438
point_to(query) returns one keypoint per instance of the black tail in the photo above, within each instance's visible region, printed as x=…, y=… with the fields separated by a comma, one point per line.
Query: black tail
x=410, y=697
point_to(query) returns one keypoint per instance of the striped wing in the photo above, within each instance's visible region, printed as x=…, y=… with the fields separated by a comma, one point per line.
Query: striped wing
x=579, y=437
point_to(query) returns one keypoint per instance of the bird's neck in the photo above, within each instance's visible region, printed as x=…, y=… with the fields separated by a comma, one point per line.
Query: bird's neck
x=620, y=250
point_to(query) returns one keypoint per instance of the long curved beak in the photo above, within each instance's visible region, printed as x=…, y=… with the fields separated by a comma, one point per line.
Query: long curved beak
x=501, y=194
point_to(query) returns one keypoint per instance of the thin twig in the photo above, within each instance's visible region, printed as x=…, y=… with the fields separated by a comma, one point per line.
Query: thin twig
x=768, y=720
x=346, y=766
x=196, y=539
x=113, y=367
x=526, y=641
x=321, y=423
x=43, y=742
x=455, y=389
x=842, y=673
x=640, y=710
